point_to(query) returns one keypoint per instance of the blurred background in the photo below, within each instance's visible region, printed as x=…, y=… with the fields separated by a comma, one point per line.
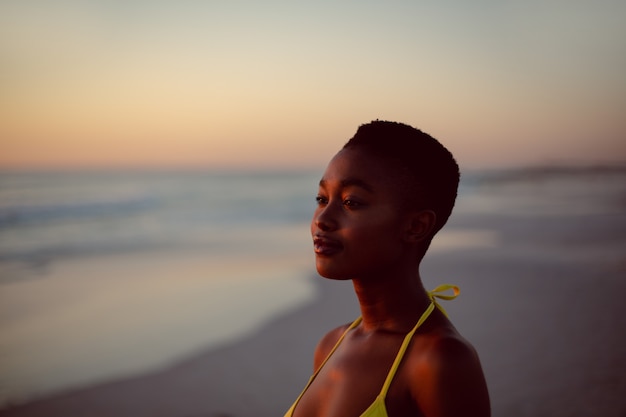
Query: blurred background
x=159, y=162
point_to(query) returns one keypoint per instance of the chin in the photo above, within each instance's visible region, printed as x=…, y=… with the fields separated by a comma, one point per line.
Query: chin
x=328, y=273
x=335, y=278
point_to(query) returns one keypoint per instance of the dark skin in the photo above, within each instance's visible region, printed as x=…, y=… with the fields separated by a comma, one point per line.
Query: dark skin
x=363, y=232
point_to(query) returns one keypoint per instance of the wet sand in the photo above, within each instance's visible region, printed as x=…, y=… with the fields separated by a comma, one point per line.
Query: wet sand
x=542, y=306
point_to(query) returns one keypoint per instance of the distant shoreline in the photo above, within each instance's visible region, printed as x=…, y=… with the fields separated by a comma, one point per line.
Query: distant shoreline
x=564, y=167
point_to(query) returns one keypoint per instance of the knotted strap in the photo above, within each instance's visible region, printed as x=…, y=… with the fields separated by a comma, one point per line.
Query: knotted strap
x=439, y=291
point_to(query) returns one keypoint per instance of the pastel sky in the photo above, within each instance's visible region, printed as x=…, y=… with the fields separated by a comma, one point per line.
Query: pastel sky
x=156, y=83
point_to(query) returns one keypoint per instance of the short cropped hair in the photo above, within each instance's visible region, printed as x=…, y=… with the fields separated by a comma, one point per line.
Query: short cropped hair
x=429, y=173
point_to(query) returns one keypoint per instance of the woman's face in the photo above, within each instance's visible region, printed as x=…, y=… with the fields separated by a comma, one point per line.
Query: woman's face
x=358, y=226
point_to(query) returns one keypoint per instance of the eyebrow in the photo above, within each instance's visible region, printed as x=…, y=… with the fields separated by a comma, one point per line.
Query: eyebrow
x=351, y=182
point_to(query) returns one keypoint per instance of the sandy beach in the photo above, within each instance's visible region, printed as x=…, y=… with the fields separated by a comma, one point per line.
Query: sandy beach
x=541, y=304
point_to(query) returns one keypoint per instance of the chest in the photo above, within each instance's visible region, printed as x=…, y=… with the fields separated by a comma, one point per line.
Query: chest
x=354, y=376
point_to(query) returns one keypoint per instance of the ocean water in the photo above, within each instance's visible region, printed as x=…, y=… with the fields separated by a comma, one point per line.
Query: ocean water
x=48, y=216
x=108, y=274
x=58, y=215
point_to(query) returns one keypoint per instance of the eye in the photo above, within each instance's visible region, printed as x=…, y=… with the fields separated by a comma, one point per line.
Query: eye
x=352, y=203
x=321, y=200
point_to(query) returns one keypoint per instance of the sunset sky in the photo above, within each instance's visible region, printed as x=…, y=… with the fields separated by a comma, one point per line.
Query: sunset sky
x=269, y=84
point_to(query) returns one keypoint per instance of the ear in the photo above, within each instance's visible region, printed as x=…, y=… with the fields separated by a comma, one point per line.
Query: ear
x=420, y=225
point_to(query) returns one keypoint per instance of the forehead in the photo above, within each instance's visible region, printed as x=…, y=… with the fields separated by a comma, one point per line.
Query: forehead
x=355, y=167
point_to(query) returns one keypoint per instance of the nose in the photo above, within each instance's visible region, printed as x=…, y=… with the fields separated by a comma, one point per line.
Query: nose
x=324, y=218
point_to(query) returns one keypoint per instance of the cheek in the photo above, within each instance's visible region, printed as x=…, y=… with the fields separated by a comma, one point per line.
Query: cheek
x=376, y=234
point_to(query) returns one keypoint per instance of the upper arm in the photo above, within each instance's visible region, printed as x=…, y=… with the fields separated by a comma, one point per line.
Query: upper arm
x=325, y=345
x=448, y=381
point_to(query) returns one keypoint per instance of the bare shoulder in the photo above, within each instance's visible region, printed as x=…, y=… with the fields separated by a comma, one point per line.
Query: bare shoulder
x=326, y=344
x=446, y=377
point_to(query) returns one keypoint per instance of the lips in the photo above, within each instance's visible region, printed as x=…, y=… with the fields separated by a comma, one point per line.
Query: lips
x=325, y=246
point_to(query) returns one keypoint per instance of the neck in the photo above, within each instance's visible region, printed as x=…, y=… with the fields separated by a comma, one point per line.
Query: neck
x=392, y=303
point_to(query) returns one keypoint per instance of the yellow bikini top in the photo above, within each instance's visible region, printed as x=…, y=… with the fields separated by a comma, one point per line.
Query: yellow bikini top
x=377, y=408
